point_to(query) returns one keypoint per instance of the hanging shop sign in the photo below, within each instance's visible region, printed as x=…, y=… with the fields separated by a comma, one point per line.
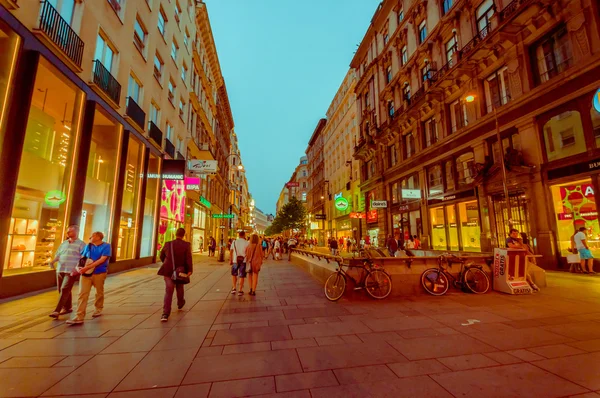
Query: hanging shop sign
x=459, y=195
x=596, y=101
x=372, y=216
x=192, y=183
x=411, y=194
x=577, y=168
x=172, y=170
x=205, y=202
x=320, y=217
x=55, y=198
x=202, y=166
x=341, y=203
x=357, y=215
x=292, y=184
x=378, y=204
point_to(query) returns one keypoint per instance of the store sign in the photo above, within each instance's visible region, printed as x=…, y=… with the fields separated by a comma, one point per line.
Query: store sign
x=337, y=195
x=357, y=215
x=372, y=216
x=192, y=183
x=344, y=225
x=341, y=203
x=320, y=217
x=379, y=204
x=172, y=169
x=223, y=216
x=596, y=101
x=202, y=166
x=459, y=195
x=292, y=184
x=55, y=198
x=205, y=202
x=411, y=194
x=578, y=168
x=314, y=225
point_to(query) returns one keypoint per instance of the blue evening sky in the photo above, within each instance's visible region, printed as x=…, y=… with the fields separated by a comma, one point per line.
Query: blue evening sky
x=283, y=61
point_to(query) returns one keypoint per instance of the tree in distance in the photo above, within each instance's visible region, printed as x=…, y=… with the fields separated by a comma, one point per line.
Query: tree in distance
x=291, y=216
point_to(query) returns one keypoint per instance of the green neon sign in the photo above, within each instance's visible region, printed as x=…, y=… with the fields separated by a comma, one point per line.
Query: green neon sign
x=222, y=216
x=341, y=203
x=205, y=202
x=55, y=198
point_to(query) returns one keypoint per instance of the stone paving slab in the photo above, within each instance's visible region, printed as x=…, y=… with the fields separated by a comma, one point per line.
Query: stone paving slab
x=289, y=341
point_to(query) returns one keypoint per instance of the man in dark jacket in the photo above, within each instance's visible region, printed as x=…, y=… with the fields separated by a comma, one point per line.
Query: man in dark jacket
x=392, y=245
x=174, y=254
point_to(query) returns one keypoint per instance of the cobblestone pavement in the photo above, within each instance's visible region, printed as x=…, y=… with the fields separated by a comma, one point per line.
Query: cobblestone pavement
x=289, y=341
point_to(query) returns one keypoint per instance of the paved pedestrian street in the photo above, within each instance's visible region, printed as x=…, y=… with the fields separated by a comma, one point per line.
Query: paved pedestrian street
x=289, y=341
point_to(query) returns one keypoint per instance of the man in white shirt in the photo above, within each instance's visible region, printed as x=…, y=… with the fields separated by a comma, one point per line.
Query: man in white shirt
x=584, y=251
x=237, y=259
x=292, y=242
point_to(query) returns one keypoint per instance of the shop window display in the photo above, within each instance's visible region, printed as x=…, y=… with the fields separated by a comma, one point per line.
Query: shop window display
x=575, y=207
x=98, y=199
x=128, y=224
x=438, y=231
x=564, y=136
x=150, y=202
x=470, y=230
x=43, y=187
x=172, y=210
x=452, y=227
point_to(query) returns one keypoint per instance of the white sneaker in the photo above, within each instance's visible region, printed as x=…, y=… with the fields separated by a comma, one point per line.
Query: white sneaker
x=74, y=321
x=96, y=314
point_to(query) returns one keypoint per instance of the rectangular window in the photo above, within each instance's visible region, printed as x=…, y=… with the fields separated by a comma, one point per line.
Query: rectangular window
x=438, y=229
x=430, y=132
x=386, y=38
x=470, y=230
x=177, y=12
x=451, y=48
x=139, y=34
x=484, y=15
x=406, y=93
x=465, y=168
x=409, y=145
x=129, y=223
x=404, y=58
x=104, y=52
x=446, y=6
x=458, y=115
x=134, y=89
x=154, y=113
x=162, y=22
x=422, y=32
x=158, y=67
x=174, y=50
x=400, y=15
x=425, y=74
x=184, y=72
x=434, y=178
x=452, y=227
x=553, y=55
x=150, y=208
x=497, y=92
x=388, y=74
x=181, y=108
x=172, y=87
x=186, y=39
x=169, y=134
x=391, y=109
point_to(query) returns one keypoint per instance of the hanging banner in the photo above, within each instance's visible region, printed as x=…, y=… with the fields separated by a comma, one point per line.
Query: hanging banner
x=202, y=166
x=192, y=183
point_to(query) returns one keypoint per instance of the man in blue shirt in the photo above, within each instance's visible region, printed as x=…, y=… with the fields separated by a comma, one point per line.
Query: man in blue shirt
x=98, y=254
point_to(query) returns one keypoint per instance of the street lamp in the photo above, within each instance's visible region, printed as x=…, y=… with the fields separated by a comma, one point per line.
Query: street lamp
x=470, y=98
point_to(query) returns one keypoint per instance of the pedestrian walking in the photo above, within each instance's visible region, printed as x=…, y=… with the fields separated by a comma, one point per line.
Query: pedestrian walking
x=265, y=248
x=237, y=260
x=176, y=257
x=334, y=247
x=392, y=245
x=92, y=274
x=212, y=246
x=348, y=245
x=201, y=245
x=254, y=260
x=584, y=251
x=291, y=244
x=67, y=256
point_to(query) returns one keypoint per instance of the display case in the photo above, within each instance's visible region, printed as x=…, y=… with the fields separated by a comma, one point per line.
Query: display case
x=29, y=246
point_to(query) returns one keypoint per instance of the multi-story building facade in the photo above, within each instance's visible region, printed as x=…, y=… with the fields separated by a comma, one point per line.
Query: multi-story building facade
x=261, y=221
x=283, y=199
x=301, y=191
x=103, y=103
x=318, y=187
x=345, y=205
x=440, y=81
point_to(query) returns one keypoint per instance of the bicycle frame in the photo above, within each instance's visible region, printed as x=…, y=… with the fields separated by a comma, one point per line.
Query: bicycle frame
x=459, y=278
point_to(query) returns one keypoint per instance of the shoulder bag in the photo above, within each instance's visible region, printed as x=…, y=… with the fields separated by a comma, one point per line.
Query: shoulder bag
x=179, y=274
x=239, y=259
x=84, y=261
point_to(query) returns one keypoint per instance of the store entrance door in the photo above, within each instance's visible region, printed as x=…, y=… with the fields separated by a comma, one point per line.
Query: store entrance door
x=519, y=216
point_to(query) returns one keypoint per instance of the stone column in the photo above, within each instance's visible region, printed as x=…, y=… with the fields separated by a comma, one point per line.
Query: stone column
x=479, y=154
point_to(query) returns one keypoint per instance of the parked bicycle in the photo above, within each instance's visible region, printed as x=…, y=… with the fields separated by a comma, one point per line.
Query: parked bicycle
x=435, y=280
x=374, y=279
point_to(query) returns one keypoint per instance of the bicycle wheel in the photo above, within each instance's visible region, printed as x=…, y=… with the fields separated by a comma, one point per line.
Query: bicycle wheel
x=434, y=282
x=378, y=284
x=476, y=280
x=335, y=286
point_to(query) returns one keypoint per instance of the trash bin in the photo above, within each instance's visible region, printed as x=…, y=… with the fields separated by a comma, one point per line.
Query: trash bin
x=221, y=254
x=510, y=271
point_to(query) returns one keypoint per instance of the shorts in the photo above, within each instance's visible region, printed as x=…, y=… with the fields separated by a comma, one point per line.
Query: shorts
x=238, y=270
x=585, y=254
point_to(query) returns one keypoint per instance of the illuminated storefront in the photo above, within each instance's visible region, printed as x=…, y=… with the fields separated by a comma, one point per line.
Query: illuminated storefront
x=455, y=223
x=172, y=210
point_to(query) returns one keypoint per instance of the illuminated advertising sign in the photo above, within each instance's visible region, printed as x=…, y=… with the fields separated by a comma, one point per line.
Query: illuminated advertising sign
x=192, y=183
x=341, y=203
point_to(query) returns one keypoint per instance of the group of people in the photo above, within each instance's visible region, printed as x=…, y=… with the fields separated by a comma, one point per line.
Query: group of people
x=395, y=244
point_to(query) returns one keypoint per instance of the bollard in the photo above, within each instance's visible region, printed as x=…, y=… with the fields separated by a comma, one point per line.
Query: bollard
x=221, y=254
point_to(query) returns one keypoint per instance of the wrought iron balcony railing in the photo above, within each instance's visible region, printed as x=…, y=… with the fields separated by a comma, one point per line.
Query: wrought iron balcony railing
x=169, y=148
x=106, y=81
x=135, y=112
x=60, y=32
x=155, y=133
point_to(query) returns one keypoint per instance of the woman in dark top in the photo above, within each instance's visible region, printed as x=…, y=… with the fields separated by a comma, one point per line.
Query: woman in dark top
x=180, y=252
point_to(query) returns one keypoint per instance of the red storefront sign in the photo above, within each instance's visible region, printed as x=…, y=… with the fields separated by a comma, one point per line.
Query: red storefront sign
x=357, y=215
x=372, y=216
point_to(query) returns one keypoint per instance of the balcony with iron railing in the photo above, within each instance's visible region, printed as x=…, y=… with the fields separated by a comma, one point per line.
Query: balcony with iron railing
x=137, y=115
x=106, y=82
x=60, y=34
x=169, y=148
x=155, y=133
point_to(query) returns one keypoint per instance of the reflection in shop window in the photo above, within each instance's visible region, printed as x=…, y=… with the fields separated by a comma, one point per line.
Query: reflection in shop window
x=150, y=203
x=43, y=187
x=438, y=229
x=435, y=180
x=563, y=136
x=98, y=199
x=449, y=169
x=131, y=197
x=9, y=45
x=465, y=168
x=575, y=207
x=452, y=227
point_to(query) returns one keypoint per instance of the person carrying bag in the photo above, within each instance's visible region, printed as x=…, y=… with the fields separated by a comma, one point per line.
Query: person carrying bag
x=176, y=270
